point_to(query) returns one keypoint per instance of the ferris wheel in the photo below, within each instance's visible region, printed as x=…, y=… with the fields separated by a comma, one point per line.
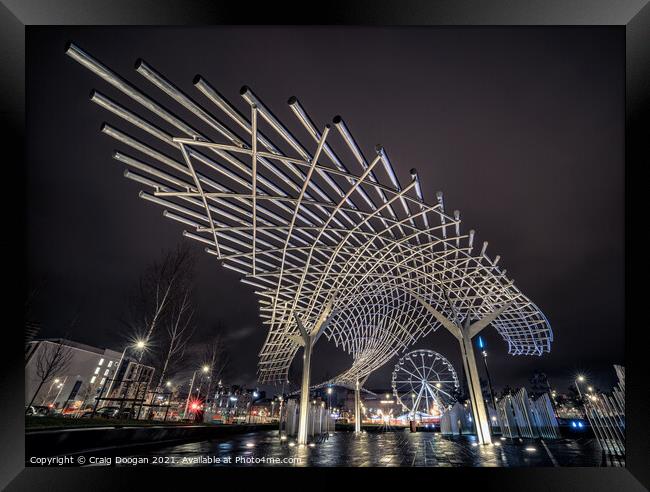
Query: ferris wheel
x=424, y=382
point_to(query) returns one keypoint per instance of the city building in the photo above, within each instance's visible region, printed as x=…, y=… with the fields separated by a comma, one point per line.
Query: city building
x=132, y=383
x=87, y=372
x=232, y=403
x=79, y=379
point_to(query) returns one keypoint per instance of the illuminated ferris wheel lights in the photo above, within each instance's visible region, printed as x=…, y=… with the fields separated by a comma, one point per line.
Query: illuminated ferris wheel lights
x=426, y=383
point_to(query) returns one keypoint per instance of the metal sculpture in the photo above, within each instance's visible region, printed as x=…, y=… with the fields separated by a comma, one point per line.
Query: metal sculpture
x=424, y=382
x=332, y=245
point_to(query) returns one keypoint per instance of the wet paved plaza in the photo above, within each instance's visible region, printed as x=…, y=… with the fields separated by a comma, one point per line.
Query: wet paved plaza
x=390, y=448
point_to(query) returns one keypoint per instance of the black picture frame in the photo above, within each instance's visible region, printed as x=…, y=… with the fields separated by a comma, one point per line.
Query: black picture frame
x=631, y=15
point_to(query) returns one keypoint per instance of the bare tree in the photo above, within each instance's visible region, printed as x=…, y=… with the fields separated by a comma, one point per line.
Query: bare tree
x=50, y=361
x=216, y=357
x=158, y=288
x=179, y=330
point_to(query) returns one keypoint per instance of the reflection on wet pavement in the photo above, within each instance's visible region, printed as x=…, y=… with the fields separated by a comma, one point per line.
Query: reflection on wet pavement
x=393, y=448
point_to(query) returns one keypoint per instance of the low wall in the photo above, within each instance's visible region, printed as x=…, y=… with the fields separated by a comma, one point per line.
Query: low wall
x=82, y=440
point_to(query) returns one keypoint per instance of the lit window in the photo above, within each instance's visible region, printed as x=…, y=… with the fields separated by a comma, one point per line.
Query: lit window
x=102, y=381
x=101, y=361
x=110, y=363
x=97, y=370
x=92, y=380
x=106, y=372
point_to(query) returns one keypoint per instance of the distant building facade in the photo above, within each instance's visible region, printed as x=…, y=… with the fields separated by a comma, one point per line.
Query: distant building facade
x=237, y=402
x=88, y=373
x=132, y=383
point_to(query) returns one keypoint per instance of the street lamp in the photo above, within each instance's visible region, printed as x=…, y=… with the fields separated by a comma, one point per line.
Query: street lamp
x=483, y=345
x=581, y=379
x=250, y=404
x=47, y=396
x=139, y=344
x=205, y=369
x=60, y=386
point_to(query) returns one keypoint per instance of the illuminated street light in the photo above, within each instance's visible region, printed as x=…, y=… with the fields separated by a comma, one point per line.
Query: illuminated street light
x=205, y=369
x=482, y=345
x=581, y=379
x=141, y=345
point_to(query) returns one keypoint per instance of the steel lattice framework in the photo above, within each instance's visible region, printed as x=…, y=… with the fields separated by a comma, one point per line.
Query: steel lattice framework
x=329, y=237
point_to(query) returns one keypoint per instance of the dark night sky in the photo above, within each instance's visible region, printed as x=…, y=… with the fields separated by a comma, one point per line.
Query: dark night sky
x=522, y=128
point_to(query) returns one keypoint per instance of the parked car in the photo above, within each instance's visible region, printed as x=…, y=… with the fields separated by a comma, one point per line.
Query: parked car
x=40, y=411
x=108, y=413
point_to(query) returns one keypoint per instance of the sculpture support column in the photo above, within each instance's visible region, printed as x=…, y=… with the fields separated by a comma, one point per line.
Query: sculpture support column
x=308, y=340
x=464, y=333
x=357, y=407
x=304, y=395
x=481, y=422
